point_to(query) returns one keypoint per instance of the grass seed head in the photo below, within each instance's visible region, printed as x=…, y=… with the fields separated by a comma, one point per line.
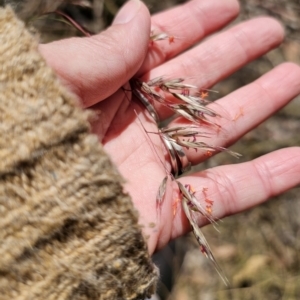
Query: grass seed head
x=162, y=190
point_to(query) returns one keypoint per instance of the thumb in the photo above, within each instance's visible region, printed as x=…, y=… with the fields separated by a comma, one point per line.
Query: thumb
x=95, y=67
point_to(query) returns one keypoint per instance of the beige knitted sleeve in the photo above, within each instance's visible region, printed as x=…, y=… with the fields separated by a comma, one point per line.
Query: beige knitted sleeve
x=67, y=230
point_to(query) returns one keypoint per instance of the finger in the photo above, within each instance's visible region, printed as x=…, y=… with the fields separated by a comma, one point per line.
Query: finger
x=249, y=106
x=235, y=188
x=97, y=66
x=187, y=24
x=221, y=55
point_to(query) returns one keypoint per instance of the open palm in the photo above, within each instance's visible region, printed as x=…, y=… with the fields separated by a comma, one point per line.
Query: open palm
x=97, y=69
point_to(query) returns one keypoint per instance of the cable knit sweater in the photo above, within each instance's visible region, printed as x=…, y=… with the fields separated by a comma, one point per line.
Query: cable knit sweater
x=67, y=229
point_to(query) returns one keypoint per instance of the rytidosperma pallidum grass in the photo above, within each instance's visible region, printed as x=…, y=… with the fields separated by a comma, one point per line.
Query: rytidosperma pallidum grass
x=189, y=102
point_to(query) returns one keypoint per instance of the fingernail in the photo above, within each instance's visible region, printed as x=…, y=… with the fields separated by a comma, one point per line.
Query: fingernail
x=127, y=12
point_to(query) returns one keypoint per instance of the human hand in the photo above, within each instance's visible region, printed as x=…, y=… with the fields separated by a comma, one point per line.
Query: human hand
x=96, y=68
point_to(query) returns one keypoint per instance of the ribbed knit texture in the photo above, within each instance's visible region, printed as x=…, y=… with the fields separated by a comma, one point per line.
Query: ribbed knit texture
x=67, y=230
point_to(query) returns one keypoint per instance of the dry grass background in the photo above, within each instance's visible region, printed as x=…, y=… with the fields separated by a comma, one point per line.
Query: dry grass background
x=259, y=249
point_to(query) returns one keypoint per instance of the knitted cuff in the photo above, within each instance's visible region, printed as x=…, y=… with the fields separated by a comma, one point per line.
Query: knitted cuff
x=67, y=230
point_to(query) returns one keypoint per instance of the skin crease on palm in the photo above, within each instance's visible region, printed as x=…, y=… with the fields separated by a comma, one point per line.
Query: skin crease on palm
x=96, y=68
